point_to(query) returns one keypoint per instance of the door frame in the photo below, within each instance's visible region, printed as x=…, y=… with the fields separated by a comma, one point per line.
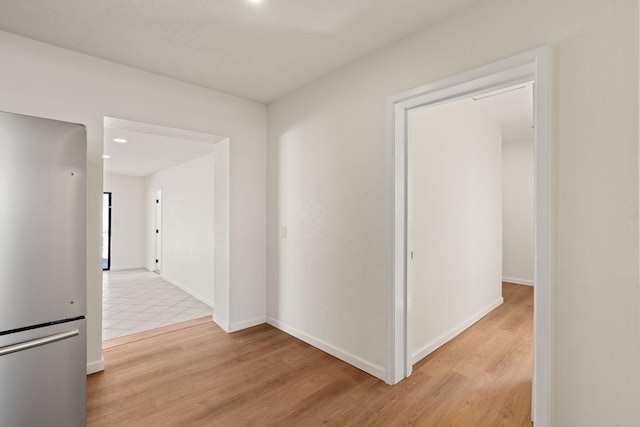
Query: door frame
x=528, y=66
x=158, y=230
x=110, y=194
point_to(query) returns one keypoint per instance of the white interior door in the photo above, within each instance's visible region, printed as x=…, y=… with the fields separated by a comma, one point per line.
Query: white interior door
x=157, y=203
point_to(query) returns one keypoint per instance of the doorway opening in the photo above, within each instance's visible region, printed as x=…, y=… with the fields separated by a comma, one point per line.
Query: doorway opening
x=106, y=231
x=162, y=271
x=527, y=67
x=469, y=235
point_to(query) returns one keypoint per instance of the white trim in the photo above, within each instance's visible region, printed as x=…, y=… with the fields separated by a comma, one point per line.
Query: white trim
x=95, y=366
x=541, y=393
x=224, y=325
x=454, y=332
x=370, y=368
x=187, y=290
x=141, y=267
x=157, y=206
x=238, y=326
x=529, y=66
x=518, y=281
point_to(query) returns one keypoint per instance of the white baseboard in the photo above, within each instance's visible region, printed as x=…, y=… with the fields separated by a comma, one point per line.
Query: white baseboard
x=187, y=290
x=238, y=326
x=370, y=368
x=95, y=366
x=453, y=332
x=127, y=268
x=518, y=281
x=224, y=325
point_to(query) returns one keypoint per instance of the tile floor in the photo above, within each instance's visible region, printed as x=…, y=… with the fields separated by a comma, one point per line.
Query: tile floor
x=138, y=300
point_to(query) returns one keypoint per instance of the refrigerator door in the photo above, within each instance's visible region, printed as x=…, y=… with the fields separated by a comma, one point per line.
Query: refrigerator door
x=42, y=221
x=43, y=376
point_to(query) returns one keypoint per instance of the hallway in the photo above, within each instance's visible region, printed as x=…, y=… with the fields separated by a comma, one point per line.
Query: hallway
x=199, y=375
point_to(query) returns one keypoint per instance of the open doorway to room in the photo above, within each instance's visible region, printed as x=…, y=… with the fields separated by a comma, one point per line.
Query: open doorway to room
x=470, y=233
x=162, y=262
x=501, y=76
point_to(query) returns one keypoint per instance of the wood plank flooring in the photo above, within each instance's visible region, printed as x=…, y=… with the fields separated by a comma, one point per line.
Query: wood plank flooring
x=195, y=374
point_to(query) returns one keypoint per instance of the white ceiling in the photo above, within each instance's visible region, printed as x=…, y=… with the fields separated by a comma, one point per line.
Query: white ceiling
x=150, y=148
x=256, y=51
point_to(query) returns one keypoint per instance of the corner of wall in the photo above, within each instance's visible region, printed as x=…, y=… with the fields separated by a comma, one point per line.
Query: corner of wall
x=95, y=366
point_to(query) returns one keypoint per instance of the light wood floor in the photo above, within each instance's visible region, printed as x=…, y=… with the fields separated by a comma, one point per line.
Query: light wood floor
x=195, y=374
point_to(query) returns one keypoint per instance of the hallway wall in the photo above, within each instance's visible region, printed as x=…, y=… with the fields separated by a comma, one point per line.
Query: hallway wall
x=328, y=279
x=187, y=259
x=455, y=221
x=128, y=222
x=518, y=213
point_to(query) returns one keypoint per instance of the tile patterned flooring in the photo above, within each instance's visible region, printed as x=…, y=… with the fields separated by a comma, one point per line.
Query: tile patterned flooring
x=138, y=300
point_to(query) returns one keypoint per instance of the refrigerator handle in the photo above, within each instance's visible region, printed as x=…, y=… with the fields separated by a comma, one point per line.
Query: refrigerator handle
x=38, y=342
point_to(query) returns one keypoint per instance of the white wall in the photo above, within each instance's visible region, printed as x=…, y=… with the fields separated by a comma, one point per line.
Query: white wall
x=221, y=235
x=517, y=213
x=187, y=258
x=327, y=183
x=127, y=220
x=46, y=81
x=455, y=221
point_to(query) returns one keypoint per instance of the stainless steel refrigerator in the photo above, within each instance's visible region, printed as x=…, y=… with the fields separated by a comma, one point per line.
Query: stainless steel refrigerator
x=42, y=272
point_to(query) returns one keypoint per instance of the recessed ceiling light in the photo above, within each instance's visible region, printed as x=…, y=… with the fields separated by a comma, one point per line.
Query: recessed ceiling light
x=106, y=156
x=120, y=140
x=255, y=1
